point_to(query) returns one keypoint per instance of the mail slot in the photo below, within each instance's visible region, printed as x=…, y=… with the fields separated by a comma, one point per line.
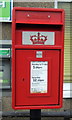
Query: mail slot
x=37, y=58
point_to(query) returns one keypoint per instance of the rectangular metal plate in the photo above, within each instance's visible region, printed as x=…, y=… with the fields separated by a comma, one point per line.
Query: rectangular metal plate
x=38, y=38
x=39, y=77
x=39, y=54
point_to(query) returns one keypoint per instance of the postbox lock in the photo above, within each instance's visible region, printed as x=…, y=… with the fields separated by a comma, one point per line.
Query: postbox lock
x=23, y=79
x=49, y=16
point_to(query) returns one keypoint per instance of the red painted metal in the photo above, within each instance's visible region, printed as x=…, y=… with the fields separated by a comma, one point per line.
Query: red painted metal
x=37, y=19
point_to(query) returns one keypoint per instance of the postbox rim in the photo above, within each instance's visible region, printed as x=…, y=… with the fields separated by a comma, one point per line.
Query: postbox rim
x=38, y=9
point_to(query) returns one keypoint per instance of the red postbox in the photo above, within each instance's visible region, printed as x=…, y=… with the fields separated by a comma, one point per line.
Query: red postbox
x=37, y=58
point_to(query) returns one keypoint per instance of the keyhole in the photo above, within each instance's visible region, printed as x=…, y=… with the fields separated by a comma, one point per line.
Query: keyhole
x=23, y=79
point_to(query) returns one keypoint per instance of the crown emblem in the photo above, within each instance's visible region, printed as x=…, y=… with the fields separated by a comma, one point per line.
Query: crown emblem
x=39, y=39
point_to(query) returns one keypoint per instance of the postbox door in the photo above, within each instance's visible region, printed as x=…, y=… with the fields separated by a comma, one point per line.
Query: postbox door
x=36, y=68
